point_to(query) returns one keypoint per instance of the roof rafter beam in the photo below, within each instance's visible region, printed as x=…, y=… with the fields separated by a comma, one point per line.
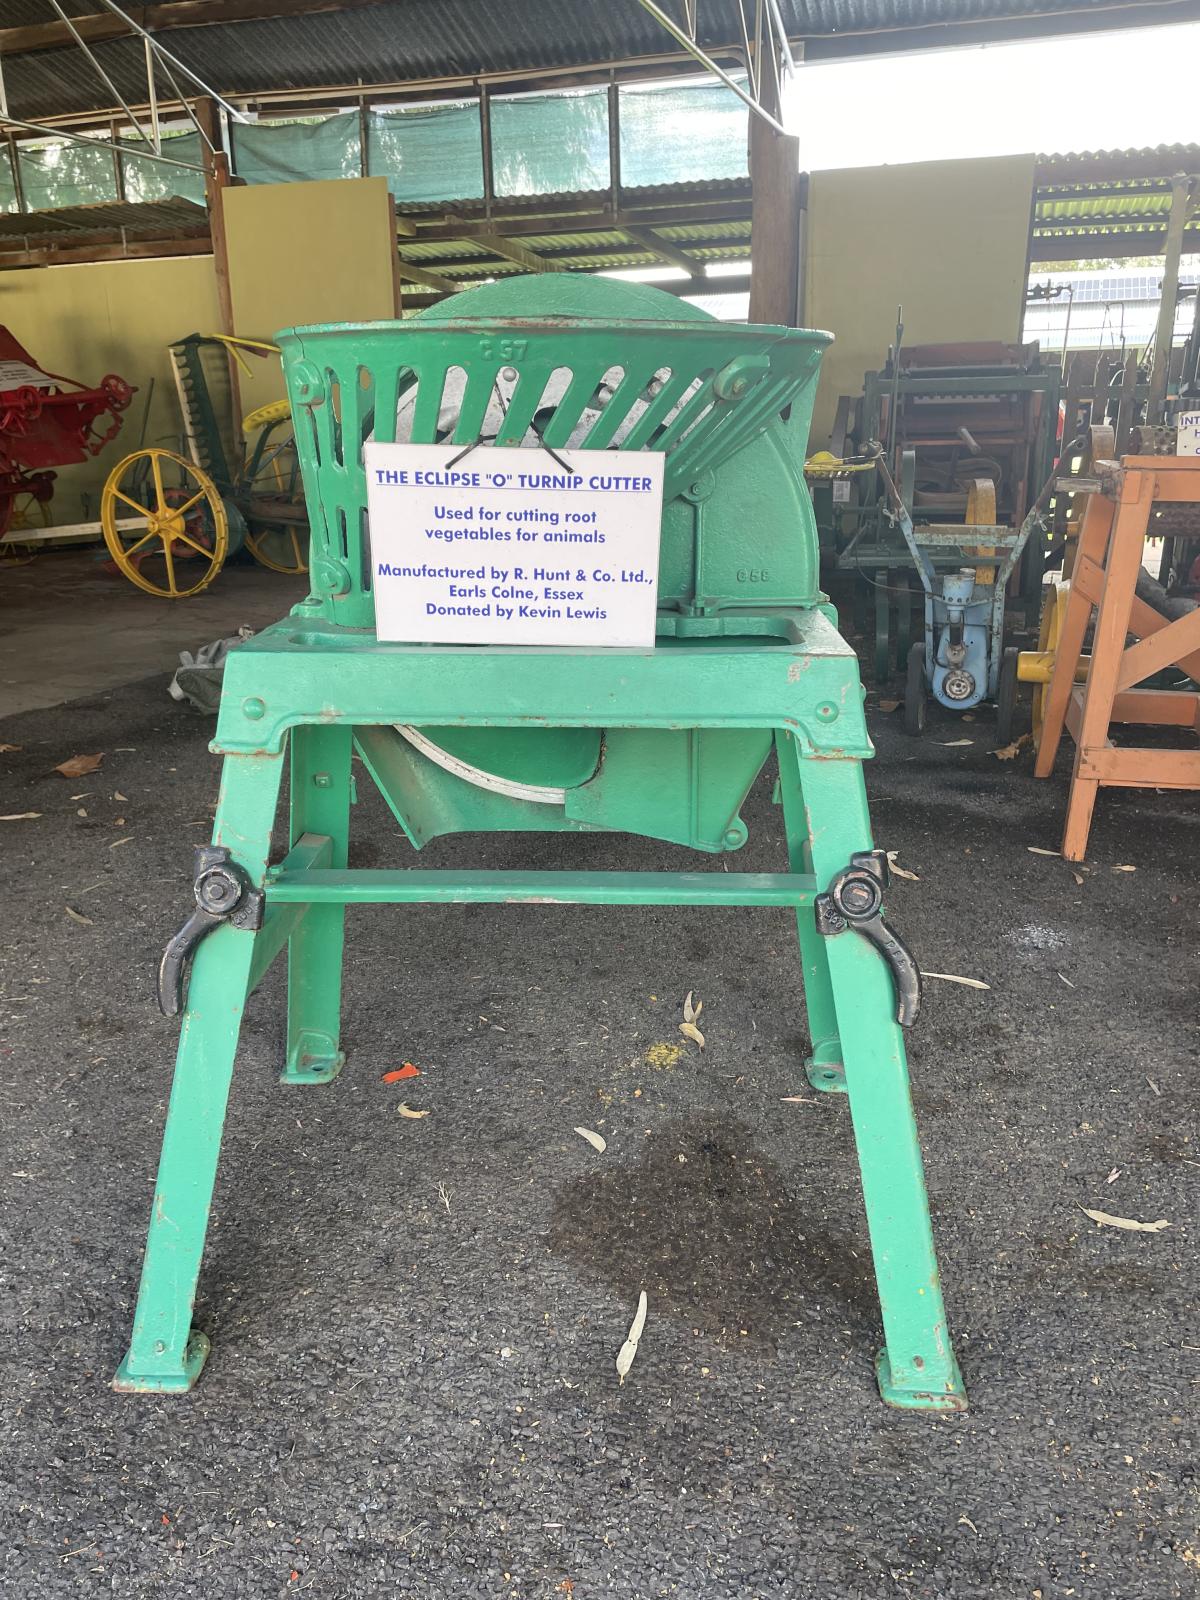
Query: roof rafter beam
x=1105, y=246
x=429, y=280
x=663, y=249
x=513, y=250
x=682, y=213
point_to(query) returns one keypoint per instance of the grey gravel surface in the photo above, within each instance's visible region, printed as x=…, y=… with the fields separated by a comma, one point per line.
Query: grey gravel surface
x=412, y=1386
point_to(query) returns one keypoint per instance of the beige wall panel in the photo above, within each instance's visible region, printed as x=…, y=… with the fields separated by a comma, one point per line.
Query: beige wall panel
x=111, y=316
x=306, y=252
x=946, y=240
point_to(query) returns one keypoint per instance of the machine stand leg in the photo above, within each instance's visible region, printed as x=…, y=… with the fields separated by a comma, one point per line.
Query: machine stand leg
x=823, y=1066
x=320, y=803
x=917, y=1368
x=826, y=1075
x=166, y=1353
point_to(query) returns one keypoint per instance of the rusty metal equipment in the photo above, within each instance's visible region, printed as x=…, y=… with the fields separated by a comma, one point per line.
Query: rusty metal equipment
x=1113, y=690
x=48, y=421
x=661, y=741
x=966, y=433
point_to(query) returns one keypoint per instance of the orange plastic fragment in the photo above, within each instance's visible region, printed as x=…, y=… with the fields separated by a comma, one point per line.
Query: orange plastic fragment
x=406, y=1071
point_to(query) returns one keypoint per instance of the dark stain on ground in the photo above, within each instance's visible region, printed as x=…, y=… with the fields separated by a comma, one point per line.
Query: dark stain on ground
x=1168, y=1148
x=706, y=1225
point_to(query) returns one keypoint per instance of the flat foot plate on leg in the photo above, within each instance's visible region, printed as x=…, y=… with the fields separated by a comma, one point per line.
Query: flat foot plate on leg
x=827, y=1076
x=313, y=1061
x=130, y=1381
x=951, y=1396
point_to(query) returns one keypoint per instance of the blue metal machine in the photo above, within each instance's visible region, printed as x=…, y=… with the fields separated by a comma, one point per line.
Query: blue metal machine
x=961, y=660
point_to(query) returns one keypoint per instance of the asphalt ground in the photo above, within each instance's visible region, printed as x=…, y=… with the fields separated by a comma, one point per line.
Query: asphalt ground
x=412, y=1386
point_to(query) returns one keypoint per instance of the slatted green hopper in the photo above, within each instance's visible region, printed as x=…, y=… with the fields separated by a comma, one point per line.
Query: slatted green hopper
x=662, y=741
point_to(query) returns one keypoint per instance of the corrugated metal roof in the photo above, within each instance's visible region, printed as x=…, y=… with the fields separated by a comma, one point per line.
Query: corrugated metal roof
x=1168, y=156
x=1103, y=206
x=155, y=217
x=1090, y=195
x=412, y=39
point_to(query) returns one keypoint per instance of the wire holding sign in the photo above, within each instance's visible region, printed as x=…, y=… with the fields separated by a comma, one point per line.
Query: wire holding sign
x=506, y=546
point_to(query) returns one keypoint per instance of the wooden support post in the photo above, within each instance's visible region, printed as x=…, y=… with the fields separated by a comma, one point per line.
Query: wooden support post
x=18, y=182
x=216, y=180
x=614, y=145
x=776, y=222
x=1184, y=190
x=397, y=275
x=485, y=149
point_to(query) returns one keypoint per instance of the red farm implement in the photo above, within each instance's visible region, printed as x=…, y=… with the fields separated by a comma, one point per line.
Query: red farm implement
x=47, y=421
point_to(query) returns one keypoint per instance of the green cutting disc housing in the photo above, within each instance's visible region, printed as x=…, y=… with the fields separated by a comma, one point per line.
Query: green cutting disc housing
x=663, y=742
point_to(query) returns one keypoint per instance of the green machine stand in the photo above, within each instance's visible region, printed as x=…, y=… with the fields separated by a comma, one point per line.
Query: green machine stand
x=664, y=741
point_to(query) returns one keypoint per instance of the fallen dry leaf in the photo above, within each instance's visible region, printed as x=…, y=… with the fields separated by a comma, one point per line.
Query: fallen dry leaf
x=953, y=977
x=1128, y=1223
x=1007, y=751
x=117, y=795
x=78, y=916
x=1067, y=981
x=1113, y=1175
x=128, y=839
x=1154, y=1086
x=953, y=744
x=889, y=705
x=1078, y=876
x=79, y=766
x=900, y=872
x=1125, y=869
x=5, y=748
x=691, y=1010
x=20, y=816
x=691, y=1031
x=119, y=823
x=1036, y=850
x=797, y=1100
x=629, y=1349
x=597, y=1143
x=407, y=1111
x=406, y=1071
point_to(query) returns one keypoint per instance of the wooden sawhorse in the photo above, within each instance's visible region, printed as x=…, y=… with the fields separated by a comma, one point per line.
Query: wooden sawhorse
x=1109, y=556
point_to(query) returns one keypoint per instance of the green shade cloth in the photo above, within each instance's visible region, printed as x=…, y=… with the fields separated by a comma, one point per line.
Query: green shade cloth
x=428, y=153
x=152, y=180
x=291, y=152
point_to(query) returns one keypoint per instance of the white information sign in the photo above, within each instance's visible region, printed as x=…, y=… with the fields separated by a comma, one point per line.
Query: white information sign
x=20, y=375
x=1188, y=440
x=514, y=546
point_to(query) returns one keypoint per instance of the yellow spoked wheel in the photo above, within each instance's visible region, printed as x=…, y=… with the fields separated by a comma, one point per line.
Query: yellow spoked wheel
x=1037, y=667
x=160, y=516
x=282, y=549
x=264, y=416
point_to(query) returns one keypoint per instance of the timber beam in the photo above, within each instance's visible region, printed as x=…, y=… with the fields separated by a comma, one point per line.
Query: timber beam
x=513, y=250
x=428, y=280
x=663, y=249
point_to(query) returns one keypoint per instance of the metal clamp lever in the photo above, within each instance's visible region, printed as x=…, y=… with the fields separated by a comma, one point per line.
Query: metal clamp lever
x=223, y=893
x=855, y=900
